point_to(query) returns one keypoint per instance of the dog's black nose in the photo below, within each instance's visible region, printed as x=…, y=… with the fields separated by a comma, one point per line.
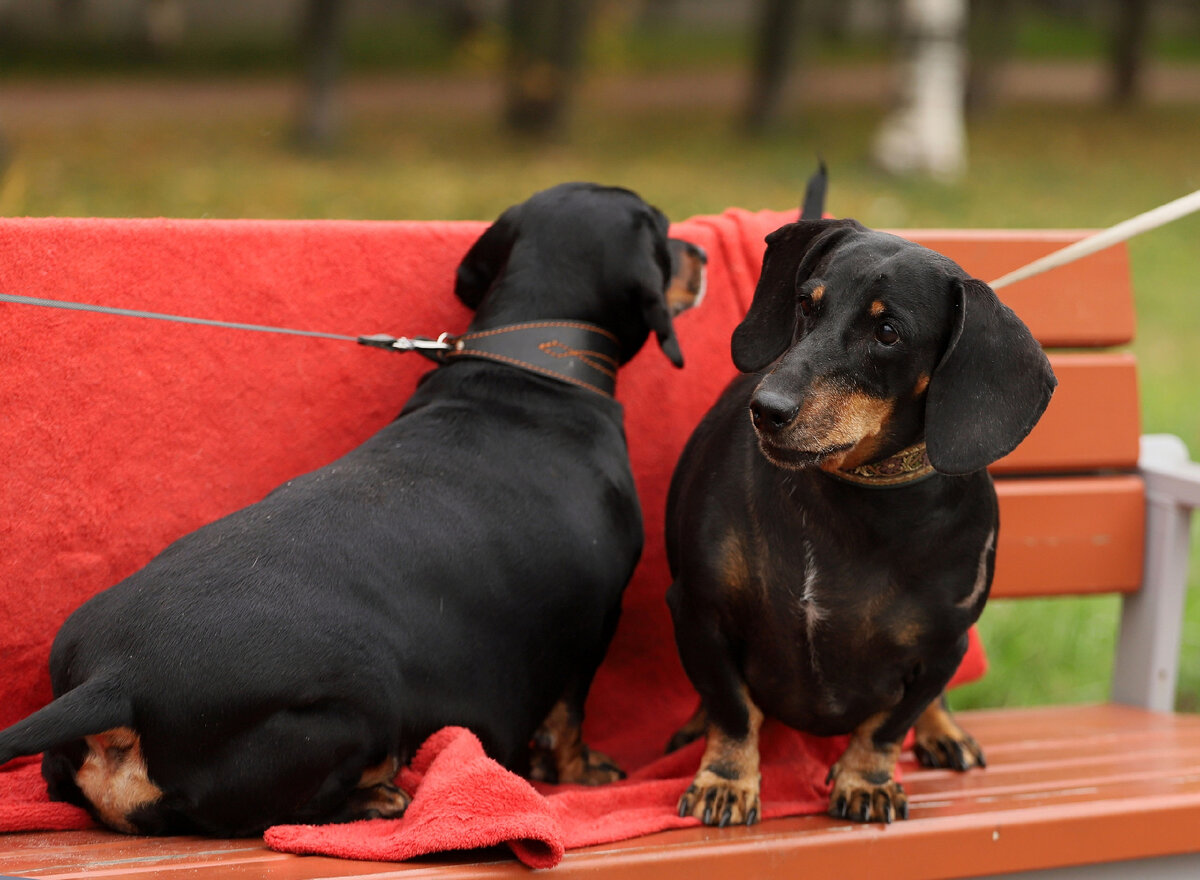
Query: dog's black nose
x=772, y=412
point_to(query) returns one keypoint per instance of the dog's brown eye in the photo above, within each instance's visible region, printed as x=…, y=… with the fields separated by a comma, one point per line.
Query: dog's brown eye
x=886, y=334
x=806, y=304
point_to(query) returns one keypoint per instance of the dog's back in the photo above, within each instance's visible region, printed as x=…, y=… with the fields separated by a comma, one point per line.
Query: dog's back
x=464, y=566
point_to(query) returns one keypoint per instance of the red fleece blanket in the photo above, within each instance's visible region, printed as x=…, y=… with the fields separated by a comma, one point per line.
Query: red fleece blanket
x=121, y=435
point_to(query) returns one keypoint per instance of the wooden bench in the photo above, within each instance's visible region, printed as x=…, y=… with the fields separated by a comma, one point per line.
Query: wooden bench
x=1087, y=506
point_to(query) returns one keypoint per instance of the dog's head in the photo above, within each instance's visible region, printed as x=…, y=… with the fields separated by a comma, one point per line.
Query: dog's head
x=874, y=343
x=583, y=252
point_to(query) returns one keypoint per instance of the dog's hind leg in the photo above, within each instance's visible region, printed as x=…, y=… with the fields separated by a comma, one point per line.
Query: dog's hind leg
x=940, y=742
x=560, y=754
x=691, y=730
x=377, y=796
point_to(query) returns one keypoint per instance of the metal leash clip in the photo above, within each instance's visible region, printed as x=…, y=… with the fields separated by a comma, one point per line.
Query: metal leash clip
x=430, y=348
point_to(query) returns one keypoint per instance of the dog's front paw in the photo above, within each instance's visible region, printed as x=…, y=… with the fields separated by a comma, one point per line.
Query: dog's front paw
x=716, y=800
x=865, y=796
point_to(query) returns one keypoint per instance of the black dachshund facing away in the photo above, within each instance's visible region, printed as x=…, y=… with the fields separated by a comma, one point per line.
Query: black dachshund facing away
x=831, y=527
x=464, y=566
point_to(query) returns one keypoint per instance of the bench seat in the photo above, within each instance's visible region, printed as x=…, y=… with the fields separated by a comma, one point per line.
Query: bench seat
x=1065, y=786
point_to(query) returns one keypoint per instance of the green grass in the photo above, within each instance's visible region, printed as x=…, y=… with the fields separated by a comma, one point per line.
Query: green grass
x=1067, y=166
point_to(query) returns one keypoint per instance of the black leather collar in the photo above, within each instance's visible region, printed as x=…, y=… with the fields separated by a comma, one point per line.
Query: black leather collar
x=570, y=351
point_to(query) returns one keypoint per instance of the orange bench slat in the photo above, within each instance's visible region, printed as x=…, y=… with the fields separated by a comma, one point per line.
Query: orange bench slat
x=1085, y=304
x=1070, y=535
x=1092, y=422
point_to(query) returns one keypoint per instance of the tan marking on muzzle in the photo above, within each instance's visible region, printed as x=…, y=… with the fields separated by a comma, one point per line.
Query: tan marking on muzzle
x=113, y=777
x=831, y=417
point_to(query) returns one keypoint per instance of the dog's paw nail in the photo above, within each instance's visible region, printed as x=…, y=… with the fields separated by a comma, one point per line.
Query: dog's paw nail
x=838, y=808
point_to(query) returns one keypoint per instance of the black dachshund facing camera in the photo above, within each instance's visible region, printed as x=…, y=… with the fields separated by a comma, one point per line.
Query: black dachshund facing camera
x=830, y=527
x=462, y=567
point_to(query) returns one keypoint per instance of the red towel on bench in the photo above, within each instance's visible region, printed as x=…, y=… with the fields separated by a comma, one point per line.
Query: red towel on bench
x=121, y=434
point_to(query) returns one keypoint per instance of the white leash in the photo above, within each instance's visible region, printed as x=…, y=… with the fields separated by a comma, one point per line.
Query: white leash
x=1128, y=229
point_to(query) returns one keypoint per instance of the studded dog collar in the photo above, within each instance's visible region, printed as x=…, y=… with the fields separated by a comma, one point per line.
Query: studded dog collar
x=907, y=466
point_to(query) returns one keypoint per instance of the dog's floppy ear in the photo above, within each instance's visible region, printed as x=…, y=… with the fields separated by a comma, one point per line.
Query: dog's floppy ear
x=689, y=275
x=651, y=269
x=486, y=258
x=990, y=388
x=658, y=316
x=793, y=252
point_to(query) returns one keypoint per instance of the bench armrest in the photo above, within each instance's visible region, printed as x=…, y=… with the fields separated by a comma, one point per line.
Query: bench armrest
x=1147, y=659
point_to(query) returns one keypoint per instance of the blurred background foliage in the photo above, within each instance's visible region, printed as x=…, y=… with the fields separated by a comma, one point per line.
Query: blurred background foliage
x=194, y=109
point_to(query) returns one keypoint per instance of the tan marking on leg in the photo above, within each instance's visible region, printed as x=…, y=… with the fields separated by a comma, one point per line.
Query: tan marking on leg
x=940, y=742
x=907, y=633
x=726, y=788
x=383, y=772
x=734, y=568
x=114, y=779
x=560, y=754
x=381, y=801
x=864, y=781
x=691, y=730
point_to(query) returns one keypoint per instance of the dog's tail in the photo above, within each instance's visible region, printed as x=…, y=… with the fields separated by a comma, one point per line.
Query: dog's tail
x=93, y=707
x=813, y=206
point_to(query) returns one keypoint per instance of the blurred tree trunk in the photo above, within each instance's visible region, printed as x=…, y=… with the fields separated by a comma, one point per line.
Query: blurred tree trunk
x=545, y=50
x=773, y=47
x=926, y=132
x=1129, y=49
x=321, y=35
x=990, y=38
